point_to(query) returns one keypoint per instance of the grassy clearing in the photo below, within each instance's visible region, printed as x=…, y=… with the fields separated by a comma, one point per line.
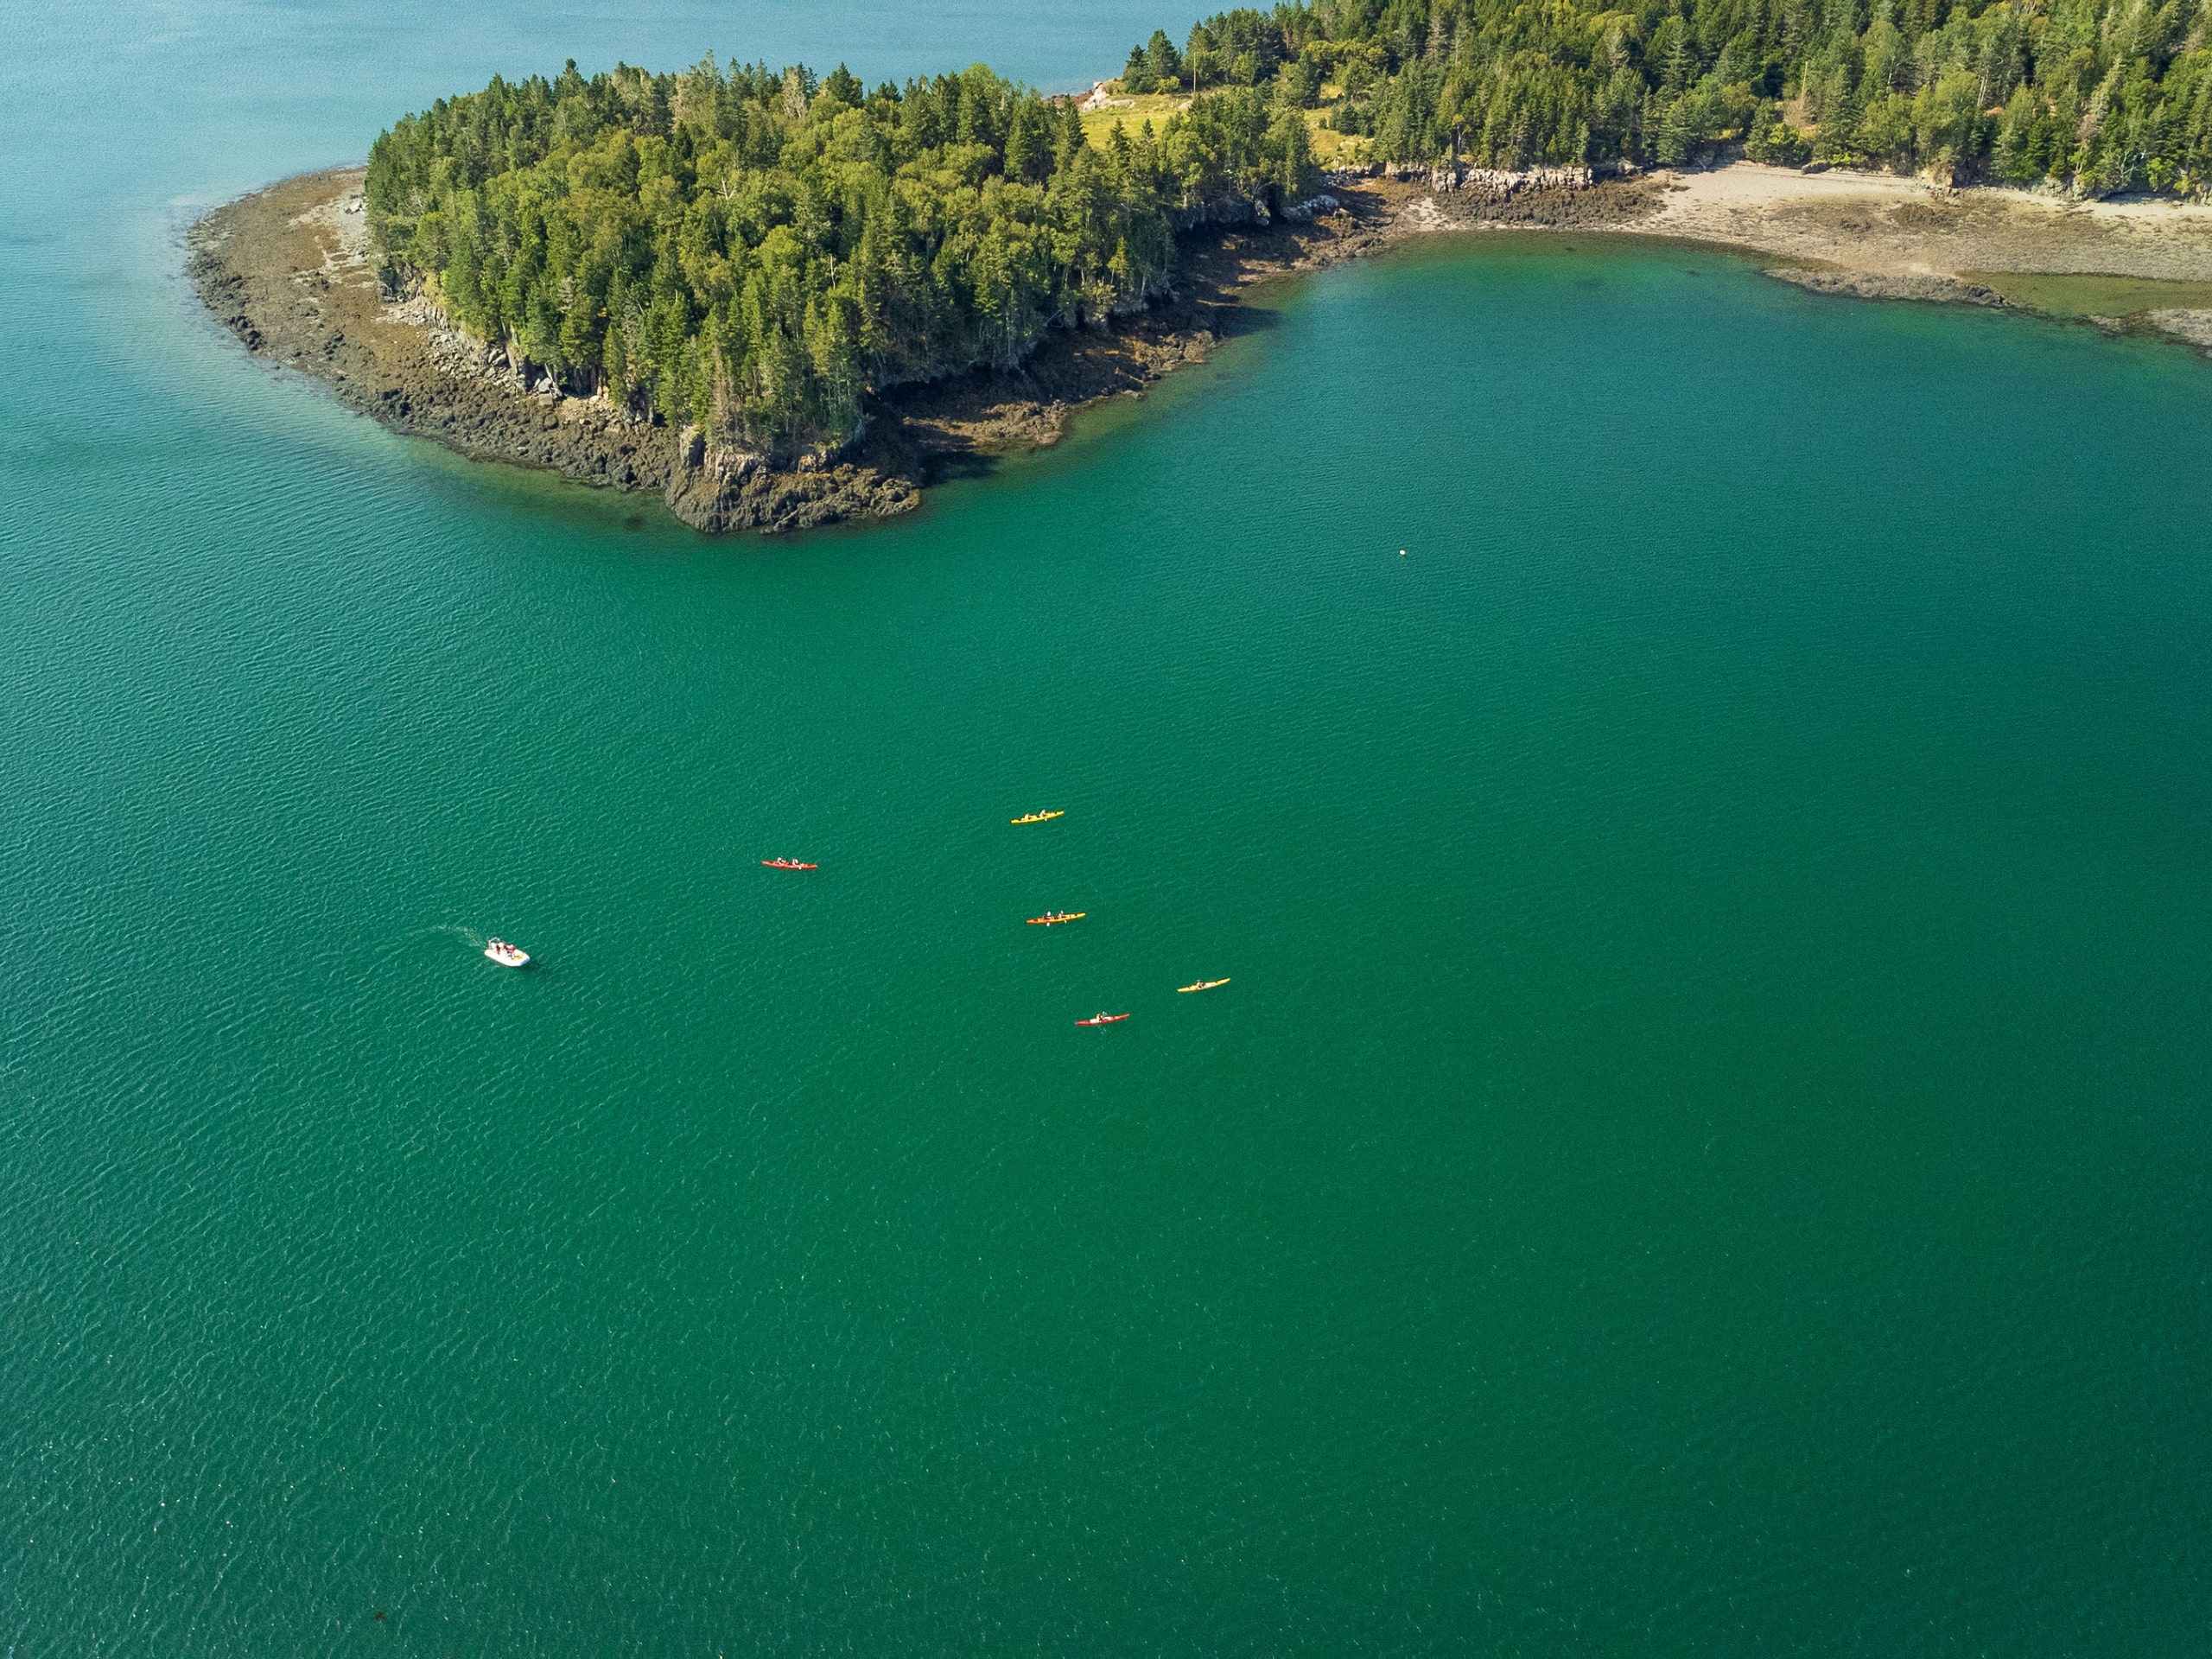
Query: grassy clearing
x=1132, y=112
x=1330, y=149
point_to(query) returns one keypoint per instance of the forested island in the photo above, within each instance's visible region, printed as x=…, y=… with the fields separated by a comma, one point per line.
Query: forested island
x=723, y=277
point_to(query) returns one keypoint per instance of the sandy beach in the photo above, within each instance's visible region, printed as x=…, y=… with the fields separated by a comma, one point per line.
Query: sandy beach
x=1883, y=225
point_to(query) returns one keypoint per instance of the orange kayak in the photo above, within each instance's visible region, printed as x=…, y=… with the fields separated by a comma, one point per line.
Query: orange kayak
x=1103, y=1020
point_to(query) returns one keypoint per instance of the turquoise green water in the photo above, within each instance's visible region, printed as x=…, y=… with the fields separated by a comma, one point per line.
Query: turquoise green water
x=1703, y=1151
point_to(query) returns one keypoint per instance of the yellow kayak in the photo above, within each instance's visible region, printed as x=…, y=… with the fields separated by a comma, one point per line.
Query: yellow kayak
x=1037, y=817
x=1054, y=918
x=1203, y=985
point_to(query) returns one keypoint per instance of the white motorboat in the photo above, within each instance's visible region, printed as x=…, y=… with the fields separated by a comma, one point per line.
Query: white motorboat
x=506, y=955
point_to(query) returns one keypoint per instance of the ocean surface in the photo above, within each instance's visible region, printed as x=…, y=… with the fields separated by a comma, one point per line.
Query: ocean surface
x=1703, y=1151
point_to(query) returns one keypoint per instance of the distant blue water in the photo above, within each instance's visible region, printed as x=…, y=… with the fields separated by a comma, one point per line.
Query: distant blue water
x=1703, y=1151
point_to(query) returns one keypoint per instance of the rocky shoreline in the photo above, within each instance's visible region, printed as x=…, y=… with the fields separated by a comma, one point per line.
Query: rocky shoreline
x=286, y=269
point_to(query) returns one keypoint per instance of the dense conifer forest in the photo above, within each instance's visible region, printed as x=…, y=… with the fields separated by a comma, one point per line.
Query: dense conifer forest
x=2095, y=95
x=751, y=249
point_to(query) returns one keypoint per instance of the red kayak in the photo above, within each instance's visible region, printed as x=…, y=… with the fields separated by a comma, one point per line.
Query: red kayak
x=788, y=864
x=1102, y=1020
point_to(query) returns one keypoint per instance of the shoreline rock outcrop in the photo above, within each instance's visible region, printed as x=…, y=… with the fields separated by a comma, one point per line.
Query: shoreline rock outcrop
x=718, y=489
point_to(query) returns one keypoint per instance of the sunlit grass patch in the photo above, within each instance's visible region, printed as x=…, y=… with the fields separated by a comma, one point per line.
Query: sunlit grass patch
x=1330, y=148
x=1132, y=112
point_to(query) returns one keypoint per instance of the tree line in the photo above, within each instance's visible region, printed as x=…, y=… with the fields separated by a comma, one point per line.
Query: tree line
x=2096, y=96
x=753, y=250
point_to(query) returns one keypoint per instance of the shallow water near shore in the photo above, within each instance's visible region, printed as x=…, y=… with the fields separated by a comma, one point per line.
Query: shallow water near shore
x=1702, y=1150
x=2068, y=295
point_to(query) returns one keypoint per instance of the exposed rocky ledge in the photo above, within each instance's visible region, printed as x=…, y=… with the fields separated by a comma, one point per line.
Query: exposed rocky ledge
x=718, y=489
x=1491, y=181
x=1878, y=285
